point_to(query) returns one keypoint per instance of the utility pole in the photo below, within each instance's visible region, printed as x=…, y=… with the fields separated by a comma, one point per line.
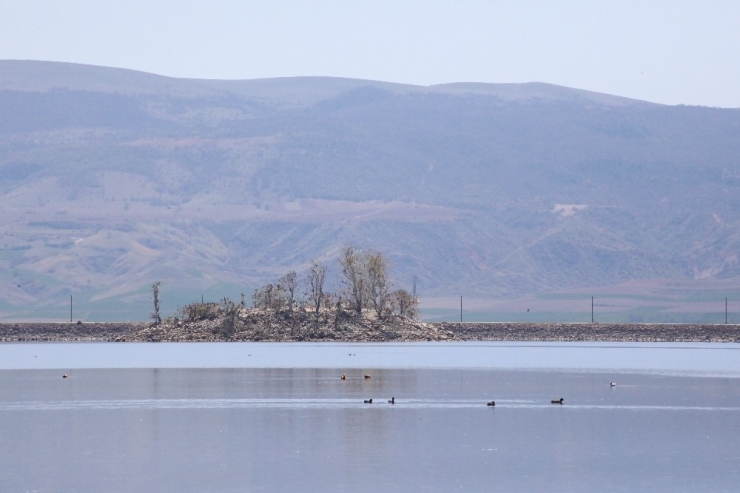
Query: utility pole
x=592, y=309
x=725, y=310
x=70, y=308
x=460, y=309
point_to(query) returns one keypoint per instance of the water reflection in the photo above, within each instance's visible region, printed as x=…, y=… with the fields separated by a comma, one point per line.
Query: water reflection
x=306, y=430
x=668, y=358
x=326, y=404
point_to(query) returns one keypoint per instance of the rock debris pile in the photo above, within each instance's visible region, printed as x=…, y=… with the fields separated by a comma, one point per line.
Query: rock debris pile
x=299, y=325
x=271, y=326
x=66, y=332
x=242, y=325
x=626, y=332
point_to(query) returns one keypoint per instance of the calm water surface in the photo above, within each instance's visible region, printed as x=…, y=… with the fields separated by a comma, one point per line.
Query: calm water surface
x=276, y=417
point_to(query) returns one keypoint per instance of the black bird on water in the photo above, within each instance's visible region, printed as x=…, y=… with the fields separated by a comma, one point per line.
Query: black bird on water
x=490, y=404
x=368, y=401
x=392, y=401
x=560, y=401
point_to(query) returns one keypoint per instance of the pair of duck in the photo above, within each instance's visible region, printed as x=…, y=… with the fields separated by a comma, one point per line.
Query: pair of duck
x=370, y=401
x=491, y=404
x=559, y=401
x=556, y=401
x=344, y=377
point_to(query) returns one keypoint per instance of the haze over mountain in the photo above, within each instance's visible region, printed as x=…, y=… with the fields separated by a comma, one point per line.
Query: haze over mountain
x=111, y=179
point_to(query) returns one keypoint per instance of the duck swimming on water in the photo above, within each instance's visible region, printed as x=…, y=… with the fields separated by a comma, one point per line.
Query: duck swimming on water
x=559, y=401
x=368, y=401
x=392, y=401
x=492, y=403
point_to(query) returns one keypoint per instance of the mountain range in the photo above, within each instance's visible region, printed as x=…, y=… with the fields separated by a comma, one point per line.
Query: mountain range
x=515, y=196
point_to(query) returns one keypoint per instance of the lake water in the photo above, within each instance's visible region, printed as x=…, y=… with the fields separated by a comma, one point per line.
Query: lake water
x=277, y=417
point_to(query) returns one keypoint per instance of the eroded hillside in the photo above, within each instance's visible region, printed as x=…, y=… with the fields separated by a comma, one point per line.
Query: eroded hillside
x=111, y=179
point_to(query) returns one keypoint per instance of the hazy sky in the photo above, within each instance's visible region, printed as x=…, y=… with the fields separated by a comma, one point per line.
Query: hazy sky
x=674, y=51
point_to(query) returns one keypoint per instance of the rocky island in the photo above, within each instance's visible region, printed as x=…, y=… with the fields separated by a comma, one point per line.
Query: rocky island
x=255, y=325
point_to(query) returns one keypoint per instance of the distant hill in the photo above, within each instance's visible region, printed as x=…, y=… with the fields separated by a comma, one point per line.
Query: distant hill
x=111, y=179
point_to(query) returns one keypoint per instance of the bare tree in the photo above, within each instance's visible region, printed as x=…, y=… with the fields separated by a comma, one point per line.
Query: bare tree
x=315, y=278
x=199, y=311
x=230, y=311
x=378, y=284
x=355, y=278
x=289, y=283
x=269, y=297
x=262, y=297
x=278, y=298
x=404, y=304
x=155, y=295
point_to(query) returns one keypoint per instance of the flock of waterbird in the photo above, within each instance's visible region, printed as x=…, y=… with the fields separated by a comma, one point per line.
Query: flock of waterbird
x=490, y=404
x=392, y=400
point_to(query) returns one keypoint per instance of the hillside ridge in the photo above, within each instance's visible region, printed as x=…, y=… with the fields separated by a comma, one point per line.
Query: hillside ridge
x=112, y=179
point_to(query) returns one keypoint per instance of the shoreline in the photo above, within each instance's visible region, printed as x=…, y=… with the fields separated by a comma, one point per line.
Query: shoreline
x=268, y=328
